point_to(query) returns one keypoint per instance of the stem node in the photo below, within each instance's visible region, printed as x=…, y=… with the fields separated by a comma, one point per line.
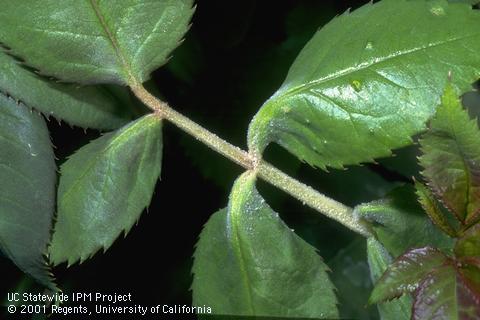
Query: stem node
x=250, y=161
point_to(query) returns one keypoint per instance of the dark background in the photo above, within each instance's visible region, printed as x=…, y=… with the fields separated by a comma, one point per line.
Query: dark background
x=235, y=56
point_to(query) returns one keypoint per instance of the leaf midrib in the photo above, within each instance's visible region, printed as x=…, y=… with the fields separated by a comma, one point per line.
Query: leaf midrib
x=368, y=64
x=111, y=145
x=234, y=207
x=131, y=80
x=242, y=263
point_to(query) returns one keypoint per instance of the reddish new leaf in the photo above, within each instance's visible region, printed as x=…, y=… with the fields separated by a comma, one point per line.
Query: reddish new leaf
x=431, y=207
x=406, y=272
x=470, y=270
x=451, y=158
x=469, y=244
x=445, y=294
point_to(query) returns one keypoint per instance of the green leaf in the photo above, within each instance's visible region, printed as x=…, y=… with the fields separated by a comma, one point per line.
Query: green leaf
x=369, y=80
x=400, y=223
x=432, y=208
x=451, y=158
x=351, y=277
x=469, y=244
x=27, y=189
x=446, y=295
x=406, y=272
x=87, y=107
x=249, y=263
x=104, y=188
x=378, y=260
x=95, y=41
x=471, y=2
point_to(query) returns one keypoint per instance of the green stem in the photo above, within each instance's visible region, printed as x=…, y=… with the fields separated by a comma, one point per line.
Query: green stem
x=309, y=196
x=210, y=139
x=314, y=199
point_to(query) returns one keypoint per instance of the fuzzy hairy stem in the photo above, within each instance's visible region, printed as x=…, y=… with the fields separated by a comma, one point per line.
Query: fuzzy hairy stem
x=307, y=195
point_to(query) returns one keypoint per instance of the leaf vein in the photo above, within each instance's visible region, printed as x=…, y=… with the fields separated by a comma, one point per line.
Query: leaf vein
x=368, y=64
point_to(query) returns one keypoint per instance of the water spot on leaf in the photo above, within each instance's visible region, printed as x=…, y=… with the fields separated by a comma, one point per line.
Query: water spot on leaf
x=33, y=154
x=357, y=85
x=369, y=45
x=286, y=109
x=437, y=11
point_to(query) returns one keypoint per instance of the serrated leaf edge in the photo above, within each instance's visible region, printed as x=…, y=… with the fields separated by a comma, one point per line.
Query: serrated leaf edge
x=101, y=246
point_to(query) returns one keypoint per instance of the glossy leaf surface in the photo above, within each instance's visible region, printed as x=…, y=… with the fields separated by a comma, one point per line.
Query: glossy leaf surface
x=358, y=83
x=104, y=188
x=249, y=263
x=27, y=188
x=94, y=41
